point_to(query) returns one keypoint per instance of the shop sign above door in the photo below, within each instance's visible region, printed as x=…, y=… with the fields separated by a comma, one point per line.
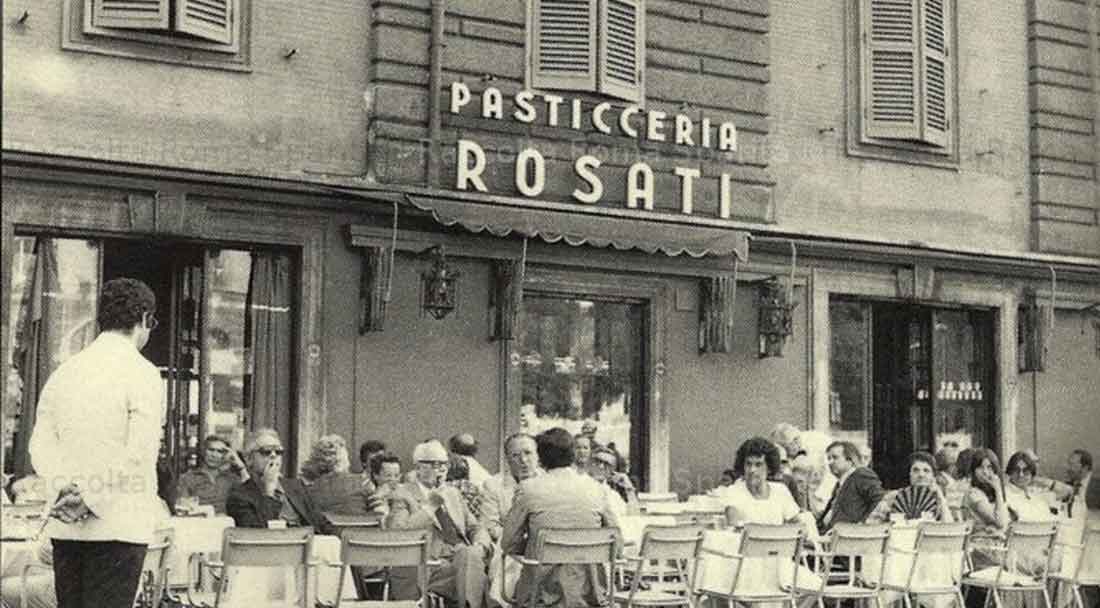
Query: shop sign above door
x=545, y=109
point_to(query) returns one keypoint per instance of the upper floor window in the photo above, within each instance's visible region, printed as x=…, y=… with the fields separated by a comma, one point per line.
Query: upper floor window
x=587, y=45
x=212, y=20
x=905, y=78
x=205, y=33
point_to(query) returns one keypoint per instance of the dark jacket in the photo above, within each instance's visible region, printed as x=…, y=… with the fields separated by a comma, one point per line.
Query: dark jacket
x=1092, y=493
x=854, y=500
x=249, y=508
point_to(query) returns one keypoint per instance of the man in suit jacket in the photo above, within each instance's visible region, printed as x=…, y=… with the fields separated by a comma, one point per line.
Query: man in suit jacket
x=267, y=496
x=460, y=542
x=559, y=498
x=857, y=491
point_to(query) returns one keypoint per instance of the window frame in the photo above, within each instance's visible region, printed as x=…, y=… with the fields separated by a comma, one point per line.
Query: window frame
x=858, y=144
x=595, y=84
x=80, y=34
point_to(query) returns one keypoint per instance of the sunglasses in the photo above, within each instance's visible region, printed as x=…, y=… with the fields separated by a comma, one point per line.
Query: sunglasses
x=269, y=452
x=434, y=463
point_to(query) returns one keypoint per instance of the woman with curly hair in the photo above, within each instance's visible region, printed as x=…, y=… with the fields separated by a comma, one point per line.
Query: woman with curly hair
x=332, y=486
x=985, y=505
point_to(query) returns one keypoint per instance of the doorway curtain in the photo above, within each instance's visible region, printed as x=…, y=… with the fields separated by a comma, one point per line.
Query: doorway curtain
x=39, y=313
x=268, y=333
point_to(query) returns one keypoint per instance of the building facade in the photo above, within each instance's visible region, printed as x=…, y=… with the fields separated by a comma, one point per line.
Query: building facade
x=682, y=221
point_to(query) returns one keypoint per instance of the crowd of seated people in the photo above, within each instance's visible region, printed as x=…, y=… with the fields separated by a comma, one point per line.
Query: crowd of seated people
x=558, y=479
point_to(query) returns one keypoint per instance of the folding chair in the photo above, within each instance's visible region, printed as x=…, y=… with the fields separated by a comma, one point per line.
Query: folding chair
x=263, y=548
x=377, y=548
x=661, y=545
x=340, y=522
x=943, y=542
x=596, y=547
x=861, y=543
x=1024, y=541
x=632, y=529
x=154, y=571
x=776, y=546
x=1085, y=570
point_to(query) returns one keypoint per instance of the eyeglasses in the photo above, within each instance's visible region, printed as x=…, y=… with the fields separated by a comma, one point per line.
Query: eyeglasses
x=269, y=452
x=437, y=464
x=603, y=463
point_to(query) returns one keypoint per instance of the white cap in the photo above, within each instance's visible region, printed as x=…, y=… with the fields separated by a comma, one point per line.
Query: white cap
x=430, y=451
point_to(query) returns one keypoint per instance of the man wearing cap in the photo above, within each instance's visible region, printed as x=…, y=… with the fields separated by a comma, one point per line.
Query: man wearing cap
x=461, y=543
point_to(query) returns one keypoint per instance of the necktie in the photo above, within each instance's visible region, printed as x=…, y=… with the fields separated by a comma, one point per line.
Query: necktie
x=1073, y=498
x=448, y=529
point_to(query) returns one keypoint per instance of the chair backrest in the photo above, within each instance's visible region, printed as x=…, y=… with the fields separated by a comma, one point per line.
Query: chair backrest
x=633, y=527
x=664, y=508
x=1088, y=565
x=576, y=545
x=647, y=498
x=379, y=548
x=761, y=540
x=671, y=543
x=154, y=569
x=266, y=547
x=942, y=537
x=859, y=539
x=1031, y=539
x=341, y=522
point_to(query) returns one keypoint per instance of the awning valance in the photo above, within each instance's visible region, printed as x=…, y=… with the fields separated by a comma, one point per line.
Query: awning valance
x=574, y=228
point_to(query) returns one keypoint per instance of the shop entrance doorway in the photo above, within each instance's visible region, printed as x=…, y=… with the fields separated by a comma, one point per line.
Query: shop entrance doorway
x=223, y=344
x=909, y=377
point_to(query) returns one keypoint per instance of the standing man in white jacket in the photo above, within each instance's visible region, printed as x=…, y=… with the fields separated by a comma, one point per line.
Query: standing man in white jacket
x=95, y=444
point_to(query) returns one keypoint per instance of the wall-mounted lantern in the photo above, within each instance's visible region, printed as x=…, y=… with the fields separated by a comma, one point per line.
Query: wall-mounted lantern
x=775, y=317
x=438, y=285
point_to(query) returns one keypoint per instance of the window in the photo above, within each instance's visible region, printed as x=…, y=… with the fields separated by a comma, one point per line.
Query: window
x=587, y=45
x=206, y=33
x=904, y=73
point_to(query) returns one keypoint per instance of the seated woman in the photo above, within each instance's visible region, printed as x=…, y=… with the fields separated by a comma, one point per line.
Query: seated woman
x=603, y=467
x=1024, y=501
x=582, y=451
x=984, y=504
x=756, y=500
x=458, y=476
x=331, y=486
x=923, y=498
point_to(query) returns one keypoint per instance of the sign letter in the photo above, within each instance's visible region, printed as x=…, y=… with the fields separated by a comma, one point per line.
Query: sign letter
x=525, y=112
x=530, y=185
x=583, y=168
x=466, y=173
x=687, y=188
x=492, y=103
x=645, y=192
x=597, y=117
x=727, y=137
x=460, y=96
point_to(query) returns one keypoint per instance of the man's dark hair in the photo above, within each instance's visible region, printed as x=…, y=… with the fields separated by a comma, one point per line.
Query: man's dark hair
x=962, y=463
x=759, y=447
x=555, y=448
x=925, y=457
x=1018, y=458
x=457, y=468
x=515, y=436
x=369, y=447
x=123, y=304
x=1084, y=456
x=214, y=439
x=376, y=463
x=851, y=452
x=463, y=444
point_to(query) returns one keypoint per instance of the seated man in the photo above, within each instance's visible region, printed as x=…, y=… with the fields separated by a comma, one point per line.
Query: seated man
x=220, y=470
x=368, y=452
x=857, y=491
x=267, y=496
x=559, y=498
x=460, y=542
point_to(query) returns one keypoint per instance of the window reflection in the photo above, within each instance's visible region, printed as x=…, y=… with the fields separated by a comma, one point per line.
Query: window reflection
x=581, y=361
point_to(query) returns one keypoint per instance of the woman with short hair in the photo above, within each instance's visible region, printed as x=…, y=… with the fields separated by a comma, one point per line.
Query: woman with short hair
x=331, y=484
x=923, y=498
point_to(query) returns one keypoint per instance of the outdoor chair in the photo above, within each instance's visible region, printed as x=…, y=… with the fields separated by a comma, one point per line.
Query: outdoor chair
x=663, y=547
x=757, y=567
x=594, y=547
x=939, y=545
x=154, y=571
x=857, y=545
x=632, y=528
x=340, y=522
x=1028, y=558
x=376, y=548
x=261, y=548
x=1080, y=565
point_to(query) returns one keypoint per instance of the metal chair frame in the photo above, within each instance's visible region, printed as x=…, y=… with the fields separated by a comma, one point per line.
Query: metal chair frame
x=571, y=546
x=677, y=545
x=1019, y=540
x=782, y=542
x=1090, y=545
x=375, y=547
x=247, y=547
x=933, y=539
x=852, y=541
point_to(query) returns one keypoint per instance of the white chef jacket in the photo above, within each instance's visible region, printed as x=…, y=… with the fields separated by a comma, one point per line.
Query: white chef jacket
x=99, y=424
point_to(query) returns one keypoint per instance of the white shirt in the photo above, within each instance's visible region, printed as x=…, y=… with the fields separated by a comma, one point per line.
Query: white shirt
x=478, y=474
x=99, y=426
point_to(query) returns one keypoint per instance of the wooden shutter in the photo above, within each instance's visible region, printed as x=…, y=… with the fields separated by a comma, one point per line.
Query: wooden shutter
x=207, y=19
x=936, y=77
x=890, y=69
x=622, y=48
x=563, y=41
x=130, y=14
